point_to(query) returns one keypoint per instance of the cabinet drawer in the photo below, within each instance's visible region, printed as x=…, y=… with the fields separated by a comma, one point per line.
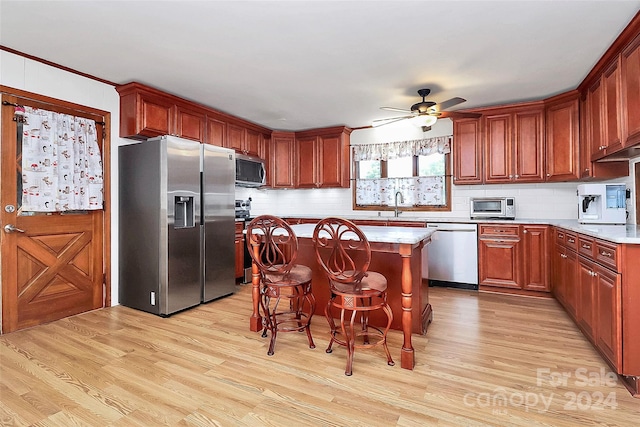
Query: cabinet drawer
x=506, y=231
x=239, y=228
x=586, y=246
x=571, y=240
x=607, y=254
x=561, y=236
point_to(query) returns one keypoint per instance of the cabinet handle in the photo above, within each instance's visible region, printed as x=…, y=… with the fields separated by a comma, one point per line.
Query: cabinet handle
x=548, y=175
x=563, y=256
x=517, y=176
x=605, y=253
x=510, y=176
x=525, y=231
x=570, y=240
x=586, y=246
x=560, y=236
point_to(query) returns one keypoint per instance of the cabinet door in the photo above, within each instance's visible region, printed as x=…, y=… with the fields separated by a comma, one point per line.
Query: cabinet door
x=190, y=124
x=536, y=260
x=467, y=152
x=558, y=267
x=608, y=316
x=630, y=76
x=561, y=147
x=528, y=146
x=282, y=164
x=499, y=262
x=498, y=153
x=570, y=280
x=216, y=132
x=586, y=298
x=236, y=136
x=156, y=117
x=253, y=143
x=612, y=126
x=330, y=162
x=596, y=140
x=307, y=162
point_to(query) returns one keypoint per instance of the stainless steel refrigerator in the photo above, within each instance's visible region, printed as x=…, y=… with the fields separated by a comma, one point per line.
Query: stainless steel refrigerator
x=176, y=224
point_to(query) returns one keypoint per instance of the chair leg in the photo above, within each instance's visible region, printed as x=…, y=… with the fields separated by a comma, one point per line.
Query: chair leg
x=350, y=338
x=389, y=314
x=312, y=306
x=332, y=326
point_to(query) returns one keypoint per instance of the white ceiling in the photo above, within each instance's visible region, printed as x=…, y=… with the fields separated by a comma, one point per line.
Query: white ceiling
x=295, y=65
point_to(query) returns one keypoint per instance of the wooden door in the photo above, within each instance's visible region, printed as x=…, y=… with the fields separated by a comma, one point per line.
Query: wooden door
x=558, y=267
x=498, y=148
x=190, y=124
x=53, y=265
x=499, y=262
x=586, y=298
x=561, y=151
x=630, y=74
x=282, y=162
x=528, y=145
x=596, y=141
x=307, y=162
x=608, y=315
x=571, y=282
x=330, y=161
x=236, y=136
x=612, y=123
x=216, y=132
x=253, y=143
x=467, y=152
x=535, y=254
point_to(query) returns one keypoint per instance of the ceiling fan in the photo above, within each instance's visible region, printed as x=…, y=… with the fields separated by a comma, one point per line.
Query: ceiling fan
x=426, y=113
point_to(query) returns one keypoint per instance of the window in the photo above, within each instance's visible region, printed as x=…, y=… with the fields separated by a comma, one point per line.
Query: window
x=419, y=170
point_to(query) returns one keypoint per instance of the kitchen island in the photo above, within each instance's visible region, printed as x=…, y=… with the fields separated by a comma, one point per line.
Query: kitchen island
x=396, y=252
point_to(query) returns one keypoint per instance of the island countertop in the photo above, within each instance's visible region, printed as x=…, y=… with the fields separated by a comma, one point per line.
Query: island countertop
x=390, y=234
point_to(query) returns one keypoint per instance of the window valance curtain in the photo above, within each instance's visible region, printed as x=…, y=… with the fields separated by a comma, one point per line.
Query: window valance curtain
x=394, y=150
x=61, y=163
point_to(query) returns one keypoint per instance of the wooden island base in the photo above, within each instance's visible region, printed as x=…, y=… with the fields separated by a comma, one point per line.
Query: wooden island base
x=408, y=294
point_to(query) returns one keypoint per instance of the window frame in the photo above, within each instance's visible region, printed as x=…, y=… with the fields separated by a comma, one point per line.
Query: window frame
x=383, y=174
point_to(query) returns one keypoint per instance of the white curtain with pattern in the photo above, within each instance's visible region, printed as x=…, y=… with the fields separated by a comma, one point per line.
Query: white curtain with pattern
x=61, y=163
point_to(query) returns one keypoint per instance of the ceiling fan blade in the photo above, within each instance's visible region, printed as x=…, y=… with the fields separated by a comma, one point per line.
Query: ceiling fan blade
x=402, y=110
x=458, y=115
x=382, y=122
x=449, y=103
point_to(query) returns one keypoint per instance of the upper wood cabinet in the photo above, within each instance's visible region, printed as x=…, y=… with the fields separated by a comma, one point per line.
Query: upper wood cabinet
x=630, y=94
x=467, y=152
x=562, y=142
x=216, y=132
x=244, y=140
x=147, y=113
x=322, y=158
x=514, y=145
x=282, y=160
x=505, y=145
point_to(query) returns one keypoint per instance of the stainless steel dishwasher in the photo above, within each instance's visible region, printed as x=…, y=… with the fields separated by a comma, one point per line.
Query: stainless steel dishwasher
x=451, y=259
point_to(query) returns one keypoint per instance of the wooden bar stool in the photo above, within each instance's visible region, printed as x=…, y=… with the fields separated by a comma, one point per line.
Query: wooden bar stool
x=285, y=288
x=344, y=253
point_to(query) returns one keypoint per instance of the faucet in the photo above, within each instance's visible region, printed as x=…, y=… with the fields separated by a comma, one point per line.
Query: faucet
x=396, y=203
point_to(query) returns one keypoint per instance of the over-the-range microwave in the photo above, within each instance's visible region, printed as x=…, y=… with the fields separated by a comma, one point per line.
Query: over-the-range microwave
x=493, y=207
x=250, y=171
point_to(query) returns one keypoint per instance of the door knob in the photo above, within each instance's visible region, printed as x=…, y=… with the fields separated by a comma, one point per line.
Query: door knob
x=10, y=228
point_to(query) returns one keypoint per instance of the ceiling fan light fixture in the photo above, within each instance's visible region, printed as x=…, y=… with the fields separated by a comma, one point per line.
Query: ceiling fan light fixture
x=424, y=120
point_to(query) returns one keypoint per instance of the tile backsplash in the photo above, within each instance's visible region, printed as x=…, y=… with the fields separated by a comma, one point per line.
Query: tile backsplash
x=533, y=201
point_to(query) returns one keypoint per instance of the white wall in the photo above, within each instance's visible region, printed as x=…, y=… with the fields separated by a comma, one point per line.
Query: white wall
x=533, y=201
x=32, y=76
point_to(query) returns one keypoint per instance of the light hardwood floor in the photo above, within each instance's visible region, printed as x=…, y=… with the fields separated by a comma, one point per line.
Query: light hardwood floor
x=486, y=360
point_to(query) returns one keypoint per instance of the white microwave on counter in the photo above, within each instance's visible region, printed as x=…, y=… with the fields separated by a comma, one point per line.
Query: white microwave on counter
x=492, y=207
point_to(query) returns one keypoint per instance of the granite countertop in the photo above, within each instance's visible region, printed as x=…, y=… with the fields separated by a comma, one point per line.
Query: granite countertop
x=390, y=234
x=629, y=233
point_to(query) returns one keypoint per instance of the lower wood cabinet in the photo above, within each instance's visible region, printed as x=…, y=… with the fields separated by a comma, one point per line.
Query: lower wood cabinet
x=239, y=249
x=588, y=284
x=513, y=257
